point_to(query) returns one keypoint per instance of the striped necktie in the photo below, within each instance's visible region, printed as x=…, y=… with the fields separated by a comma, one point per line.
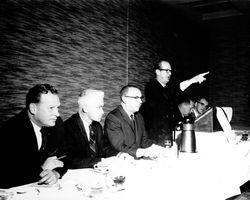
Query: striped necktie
x=92, y=143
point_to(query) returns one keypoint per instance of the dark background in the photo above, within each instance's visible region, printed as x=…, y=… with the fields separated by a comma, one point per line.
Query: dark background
x=106, y=44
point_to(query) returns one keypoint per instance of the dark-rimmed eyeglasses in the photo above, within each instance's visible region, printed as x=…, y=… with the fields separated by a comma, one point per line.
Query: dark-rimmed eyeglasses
x=203, y=104
x=166, y=70
x=136, y=97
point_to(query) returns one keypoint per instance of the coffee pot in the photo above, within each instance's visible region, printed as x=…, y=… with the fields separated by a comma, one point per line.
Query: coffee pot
x=188, y=141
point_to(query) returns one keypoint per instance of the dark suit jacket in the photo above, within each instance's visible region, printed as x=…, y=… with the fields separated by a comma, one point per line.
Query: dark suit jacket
x=78, y=144
x=20, y=158
x=121, y=134
x=159, y=108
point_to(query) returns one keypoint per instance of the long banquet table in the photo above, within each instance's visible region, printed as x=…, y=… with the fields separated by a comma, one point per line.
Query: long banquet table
x=215, y=172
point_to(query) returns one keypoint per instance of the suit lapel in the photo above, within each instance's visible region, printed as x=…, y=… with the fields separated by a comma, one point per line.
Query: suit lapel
x=126, y=117
x=81, y=127
x=83, y=131
x=29, y=130
x=128, y=121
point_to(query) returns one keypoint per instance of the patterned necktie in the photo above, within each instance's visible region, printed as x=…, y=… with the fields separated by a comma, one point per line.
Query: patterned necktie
x=92, y=140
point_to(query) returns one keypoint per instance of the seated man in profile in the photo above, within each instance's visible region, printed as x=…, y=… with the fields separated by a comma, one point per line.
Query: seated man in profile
x=84, y=134
x=125, y=126
x=220, y=119
x=31, y=142
x=200, y=106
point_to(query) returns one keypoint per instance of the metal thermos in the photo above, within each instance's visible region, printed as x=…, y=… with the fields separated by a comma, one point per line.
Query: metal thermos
x=188, y=141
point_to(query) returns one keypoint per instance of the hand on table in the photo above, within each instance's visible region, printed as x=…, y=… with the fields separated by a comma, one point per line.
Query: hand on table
x=154, y=151
x=49, y=177
x=125, y=156
x=52, y=163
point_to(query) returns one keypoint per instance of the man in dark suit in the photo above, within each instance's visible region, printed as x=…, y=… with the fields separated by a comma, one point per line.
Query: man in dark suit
x=26, y=155
x=84, y=135
x=125, y=126
x=161, y=100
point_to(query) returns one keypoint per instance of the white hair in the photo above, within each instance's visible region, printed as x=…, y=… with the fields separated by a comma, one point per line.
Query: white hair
x=87, y=96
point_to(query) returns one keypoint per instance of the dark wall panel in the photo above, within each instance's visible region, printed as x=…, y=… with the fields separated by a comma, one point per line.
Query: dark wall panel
x=230, y=66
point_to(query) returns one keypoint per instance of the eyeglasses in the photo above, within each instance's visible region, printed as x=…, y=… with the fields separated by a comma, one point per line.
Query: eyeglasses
x=203, y=104
x=136, y=97
x=167, y=70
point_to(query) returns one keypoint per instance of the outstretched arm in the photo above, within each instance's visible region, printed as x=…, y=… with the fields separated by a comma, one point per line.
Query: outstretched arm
x=196, y=79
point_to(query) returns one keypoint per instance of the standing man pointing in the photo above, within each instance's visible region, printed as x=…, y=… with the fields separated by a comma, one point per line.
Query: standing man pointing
x=161, y=101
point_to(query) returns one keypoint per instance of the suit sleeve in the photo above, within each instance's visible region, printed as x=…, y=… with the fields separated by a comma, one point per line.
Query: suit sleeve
x=108, y=150
x=19, y=165
x=145, y=141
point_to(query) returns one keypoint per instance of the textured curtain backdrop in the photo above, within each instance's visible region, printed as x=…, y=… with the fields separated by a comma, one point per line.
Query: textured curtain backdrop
x=69, y=44
x=104, y=44
x=75, y=44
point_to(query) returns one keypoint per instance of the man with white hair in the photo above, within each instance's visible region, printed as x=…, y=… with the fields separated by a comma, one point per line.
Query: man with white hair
x=85, y=140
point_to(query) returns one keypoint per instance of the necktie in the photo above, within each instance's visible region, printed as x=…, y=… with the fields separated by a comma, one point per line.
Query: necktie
x=132, y=117
x=44, y=139
x=92, y=140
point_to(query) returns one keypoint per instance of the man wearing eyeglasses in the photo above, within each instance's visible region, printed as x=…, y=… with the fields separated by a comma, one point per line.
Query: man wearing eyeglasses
x=200, y=106
x=161, y=101
x=125, y=126
x=220, y=118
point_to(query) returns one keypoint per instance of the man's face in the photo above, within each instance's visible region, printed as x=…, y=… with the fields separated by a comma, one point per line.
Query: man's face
x=201, y=105
x=94, y=109
x=163, y=74
x=47, y=110
x=133, y=100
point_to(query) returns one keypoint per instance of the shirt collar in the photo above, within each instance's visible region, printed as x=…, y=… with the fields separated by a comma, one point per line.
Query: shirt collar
x=86, y=124
x=126, y=111
x=161, y=83
x=36, y=128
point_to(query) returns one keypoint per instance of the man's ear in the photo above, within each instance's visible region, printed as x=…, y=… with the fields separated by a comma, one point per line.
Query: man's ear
x=122, y=99
x=84, y=108
x=32, y=108
x=157, y=71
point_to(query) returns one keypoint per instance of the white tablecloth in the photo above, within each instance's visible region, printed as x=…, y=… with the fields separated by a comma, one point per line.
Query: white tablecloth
x=215, y=172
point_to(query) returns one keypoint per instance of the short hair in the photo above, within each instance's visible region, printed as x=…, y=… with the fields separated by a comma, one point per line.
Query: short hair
x=124, y=90
x=200, y=98
x=34, y=94
x=86, y=94
x=185, y=100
